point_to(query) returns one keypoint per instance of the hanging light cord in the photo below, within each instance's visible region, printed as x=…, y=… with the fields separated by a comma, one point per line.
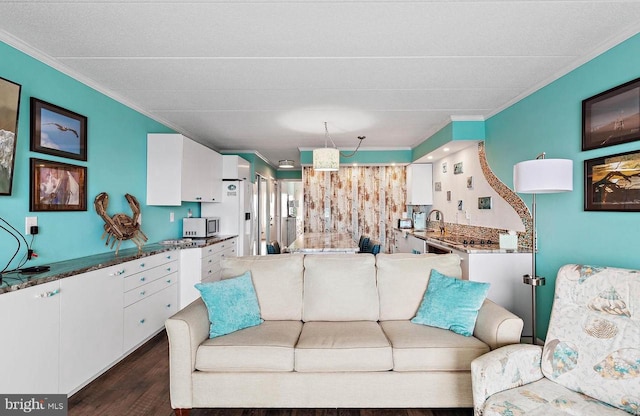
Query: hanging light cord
x=327, y=136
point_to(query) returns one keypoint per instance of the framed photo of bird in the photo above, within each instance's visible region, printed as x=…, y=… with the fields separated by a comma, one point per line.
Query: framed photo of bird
x=58, y=131
x=57, y=186
x=612, y=183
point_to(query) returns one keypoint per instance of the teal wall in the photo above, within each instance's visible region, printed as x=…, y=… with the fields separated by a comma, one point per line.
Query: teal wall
x=116, y=165
x=550, y=121
x=289, y=174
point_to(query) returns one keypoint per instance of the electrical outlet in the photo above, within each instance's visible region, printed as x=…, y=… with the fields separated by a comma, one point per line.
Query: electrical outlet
x=28, y=223
x=172, y=217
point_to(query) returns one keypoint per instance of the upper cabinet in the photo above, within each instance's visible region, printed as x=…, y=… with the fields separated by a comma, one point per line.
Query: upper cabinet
x=180, y=169
x=420, y=184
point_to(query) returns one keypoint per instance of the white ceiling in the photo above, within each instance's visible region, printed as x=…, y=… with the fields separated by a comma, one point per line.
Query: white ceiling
x=265, y=75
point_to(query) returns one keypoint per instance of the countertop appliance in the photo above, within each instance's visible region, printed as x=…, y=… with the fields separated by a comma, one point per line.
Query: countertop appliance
x=235, y=212
x=405, y=223
x=203, y=227
x=420, y=220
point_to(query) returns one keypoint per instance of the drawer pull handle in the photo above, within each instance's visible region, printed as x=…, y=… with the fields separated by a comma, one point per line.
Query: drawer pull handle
x=142, y=279
x=169, y=281
x=168, y=269
x=142, y=321
x=49, y=293
x=143, y=293
x=141, y=264
x=117, y=273
x=168, y=305
x=169, y=257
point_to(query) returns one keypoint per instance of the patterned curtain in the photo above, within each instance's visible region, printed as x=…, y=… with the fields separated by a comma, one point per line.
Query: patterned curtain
x=357, y=200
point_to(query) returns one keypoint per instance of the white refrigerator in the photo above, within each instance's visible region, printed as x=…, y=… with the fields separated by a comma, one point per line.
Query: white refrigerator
x=235, y=212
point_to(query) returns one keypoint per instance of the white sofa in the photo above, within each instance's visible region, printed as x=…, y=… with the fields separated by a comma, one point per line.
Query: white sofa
x=336, y=333
x=590, y=363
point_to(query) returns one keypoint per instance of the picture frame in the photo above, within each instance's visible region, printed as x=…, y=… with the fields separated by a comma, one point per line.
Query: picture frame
x=469, y=182
x=612, y=183
x=449, y=196
x=9, y=112
x=57, y=131
x=57, y=186
x=484, y=202
x=444, y=167
x=438, y=186
x=460, y=205
x=457, y=168
x=612, y=117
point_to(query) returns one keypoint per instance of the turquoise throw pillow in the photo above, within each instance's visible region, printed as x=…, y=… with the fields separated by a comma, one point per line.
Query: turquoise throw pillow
x=451, y=303
x=232, y=304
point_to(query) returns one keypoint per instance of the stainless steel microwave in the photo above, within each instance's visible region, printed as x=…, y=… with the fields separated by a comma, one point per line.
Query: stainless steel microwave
x=203, y=227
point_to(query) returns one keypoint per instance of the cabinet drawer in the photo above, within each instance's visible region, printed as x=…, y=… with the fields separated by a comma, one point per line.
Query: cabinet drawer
x=144, y=291
x=229, y=252
x=212, y=260
x=146, y=263
x=212, y=273
x=146, y=276
x=144, y=318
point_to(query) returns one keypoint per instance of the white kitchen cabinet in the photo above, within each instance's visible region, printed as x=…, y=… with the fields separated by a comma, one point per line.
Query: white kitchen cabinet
x=30, y=343
x=416, y=245
x=420, y=184
x=202, y=264
x=90, y=325
x=180, y=169
x=401, y=241
x=504, y=272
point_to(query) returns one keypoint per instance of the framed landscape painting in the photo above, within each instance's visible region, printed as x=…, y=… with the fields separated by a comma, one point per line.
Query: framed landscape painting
x=9, y=105
x=612, y=183
x=57, y=186
x=612, y=117
x=58, y=131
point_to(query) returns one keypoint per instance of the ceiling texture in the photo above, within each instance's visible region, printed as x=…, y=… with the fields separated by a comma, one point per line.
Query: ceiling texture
x=265, y=75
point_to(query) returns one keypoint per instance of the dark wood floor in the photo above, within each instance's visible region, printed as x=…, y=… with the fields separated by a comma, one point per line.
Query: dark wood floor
x=139, y=385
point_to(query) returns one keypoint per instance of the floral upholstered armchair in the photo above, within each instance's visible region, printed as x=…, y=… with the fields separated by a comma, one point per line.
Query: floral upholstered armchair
x=590, y=363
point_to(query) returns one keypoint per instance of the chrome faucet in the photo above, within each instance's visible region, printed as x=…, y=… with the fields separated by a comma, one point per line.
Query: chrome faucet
x=441, y=217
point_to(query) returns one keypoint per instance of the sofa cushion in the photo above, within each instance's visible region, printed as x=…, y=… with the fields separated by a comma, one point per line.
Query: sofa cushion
x=340, y=288
x=277, y=280
x=425, y=348
x=544, y=397
x=268, y=347
x=451, y=303
x=231, y=304
x=342, y=346
x=403, y=278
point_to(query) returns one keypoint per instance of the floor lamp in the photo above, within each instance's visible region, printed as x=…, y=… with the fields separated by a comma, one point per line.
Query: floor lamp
x=540, y=176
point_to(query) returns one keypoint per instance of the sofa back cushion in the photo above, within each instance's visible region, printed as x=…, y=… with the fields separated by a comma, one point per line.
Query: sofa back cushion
x=340, y=287
x=592, y=345
x=277, y=281
x=403, y=278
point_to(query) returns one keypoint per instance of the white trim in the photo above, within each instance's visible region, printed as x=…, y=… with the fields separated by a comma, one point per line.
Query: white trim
x=467, y=118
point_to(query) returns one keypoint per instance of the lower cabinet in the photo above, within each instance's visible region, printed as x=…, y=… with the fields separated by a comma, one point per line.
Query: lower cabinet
x=90, y=325
x=30, y=342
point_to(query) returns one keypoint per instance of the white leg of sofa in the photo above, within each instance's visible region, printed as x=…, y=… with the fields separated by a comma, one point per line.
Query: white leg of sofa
x=186, y=330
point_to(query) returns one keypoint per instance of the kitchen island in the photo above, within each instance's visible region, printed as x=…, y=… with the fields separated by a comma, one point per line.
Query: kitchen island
x=324, y=243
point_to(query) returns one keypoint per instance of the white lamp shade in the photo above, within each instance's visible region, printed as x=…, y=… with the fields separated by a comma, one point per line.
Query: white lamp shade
x=543, y=176
x=326, y=159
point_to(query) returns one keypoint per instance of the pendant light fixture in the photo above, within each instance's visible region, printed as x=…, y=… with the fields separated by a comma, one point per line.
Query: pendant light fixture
x=328, y=158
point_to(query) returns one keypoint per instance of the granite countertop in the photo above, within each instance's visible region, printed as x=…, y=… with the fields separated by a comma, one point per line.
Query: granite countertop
x=462, y=243
x=12, y=281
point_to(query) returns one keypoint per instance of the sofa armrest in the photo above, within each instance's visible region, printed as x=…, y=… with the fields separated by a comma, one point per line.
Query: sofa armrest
x=186, y=330
x=496, y=326
x=503, y=369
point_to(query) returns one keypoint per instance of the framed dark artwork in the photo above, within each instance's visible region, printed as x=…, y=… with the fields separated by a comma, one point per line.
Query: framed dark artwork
x=9, y=106
x=484, y=202
x=612, y=117
x=612, y=183
x=457, y=168
x=57, y=186
x=470, y=182
x=58, y=131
